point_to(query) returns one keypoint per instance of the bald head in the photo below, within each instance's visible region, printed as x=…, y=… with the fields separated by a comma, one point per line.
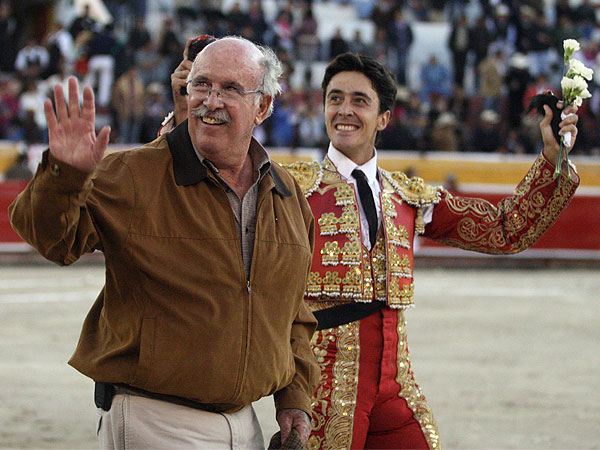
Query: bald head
x=257, y=62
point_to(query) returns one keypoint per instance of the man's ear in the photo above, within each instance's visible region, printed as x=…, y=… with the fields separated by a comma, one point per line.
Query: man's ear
x=263, y=110
x=383, y=120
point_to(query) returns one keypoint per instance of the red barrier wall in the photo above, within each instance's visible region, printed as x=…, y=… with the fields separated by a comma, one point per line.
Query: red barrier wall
x=577, y=228
x=8, y=191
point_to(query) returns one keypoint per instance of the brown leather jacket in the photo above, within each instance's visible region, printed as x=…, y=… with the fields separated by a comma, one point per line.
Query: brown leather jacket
x=177, y=315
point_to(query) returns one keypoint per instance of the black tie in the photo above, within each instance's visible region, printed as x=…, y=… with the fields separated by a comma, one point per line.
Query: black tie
x=367, y=202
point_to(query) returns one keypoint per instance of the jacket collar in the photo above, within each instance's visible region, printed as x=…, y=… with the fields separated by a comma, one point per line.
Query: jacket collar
x=189, y=170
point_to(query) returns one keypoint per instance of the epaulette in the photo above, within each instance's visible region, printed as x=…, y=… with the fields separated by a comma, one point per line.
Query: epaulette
x=413, y=191
x=307, y=174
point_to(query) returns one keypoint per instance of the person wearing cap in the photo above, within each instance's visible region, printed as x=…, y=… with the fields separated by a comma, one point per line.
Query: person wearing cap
x=207, y=246
x=361, y=280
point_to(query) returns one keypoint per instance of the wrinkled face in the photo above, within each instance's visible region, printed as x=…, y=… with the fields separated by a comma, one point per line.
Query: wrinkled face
x=352, y=115
x=221, y=122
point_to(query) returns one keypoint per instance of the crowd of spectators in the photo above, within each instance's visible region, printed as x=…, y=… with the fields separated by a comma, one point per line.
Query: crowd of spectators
x=512, y=48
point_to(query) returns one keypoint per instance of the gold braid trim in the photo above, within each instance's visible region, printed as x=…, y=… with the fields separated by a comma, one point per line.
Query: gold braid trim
x=307, y=174
x=501, y=229
x=411, y=392
x=413, y=190
x=333, y=408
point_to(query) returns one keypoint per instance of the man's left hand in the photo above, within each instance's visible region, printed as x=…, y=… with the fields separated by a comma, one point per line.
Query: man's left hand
x=294, y=418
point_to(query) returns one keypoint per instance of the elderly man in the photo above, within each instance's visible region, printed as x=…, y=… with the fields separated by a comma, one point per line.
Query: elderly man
x=207, y=246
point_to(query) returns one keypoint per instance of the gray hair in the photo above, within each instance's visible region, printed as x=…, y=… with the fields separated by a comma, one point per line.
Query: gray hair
x=270, y=67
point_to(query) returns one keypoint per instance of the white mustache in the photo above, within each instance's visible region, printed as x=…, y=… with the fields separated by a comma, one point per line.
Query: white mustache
x=201, y=111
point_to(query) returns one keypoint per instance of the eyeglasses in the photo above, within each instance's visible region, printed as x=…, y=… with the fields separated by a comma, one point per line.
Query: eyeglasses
x=228, y=93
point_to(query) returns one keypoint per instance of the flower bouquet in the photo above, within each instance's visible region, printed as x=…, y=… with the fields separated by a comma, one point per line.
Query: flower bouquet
x=574, y=90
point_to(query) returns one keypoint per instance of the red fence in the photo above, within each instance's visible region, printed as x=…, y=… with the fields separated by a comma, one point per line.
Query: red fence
x=578, y=228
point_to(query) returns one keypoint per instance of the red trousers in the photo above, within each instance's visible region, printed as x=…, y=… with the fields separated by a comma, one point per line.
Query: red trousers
x=382, y=419
x=367, y=397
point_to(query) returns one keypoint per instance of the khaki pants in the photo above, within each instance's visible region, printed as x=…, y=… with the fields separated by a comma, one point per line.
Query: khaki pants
x=135, y=422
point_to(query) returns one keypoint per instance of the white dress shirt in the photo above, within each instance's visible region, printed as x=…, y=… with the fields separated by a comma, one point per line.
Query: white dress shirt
x=345, y=166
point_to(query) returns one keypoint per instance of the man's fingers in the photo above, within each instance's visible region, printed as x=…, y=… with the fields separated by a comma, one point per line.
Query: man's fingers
x=50, y=116
x=101, y=143
x=89, y=109
x=73, y=97
x=59, y=102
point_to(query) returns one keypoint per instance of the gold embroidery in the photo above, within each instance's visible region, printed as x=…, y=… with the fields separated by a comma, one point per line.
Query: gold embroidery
x=328, y=224
x=387, y=205
x=330, y=253
x=400, y=294
x=351, y=283
x=351, y=253
x=344, y=195
x=307, y=174
x=411, y=392
x=397, y=235
x=313, y=284
x=400, y=265
x=333, y=422
x=331, y=284
x=517, y=222
x=349, y=219
x=414, y=191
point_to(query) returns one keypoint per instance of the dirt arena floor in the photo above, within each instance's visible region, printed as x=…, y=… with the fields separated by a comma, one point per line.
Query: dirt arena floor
x=509, y=359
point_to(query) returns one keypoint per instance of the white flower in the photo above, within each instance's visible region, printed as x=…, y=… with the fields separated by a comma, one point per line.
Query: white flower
x=585, y=94
x=570, y=46
x=567, y=84
x=576, y=67
x=578, y=101
x=580, y=83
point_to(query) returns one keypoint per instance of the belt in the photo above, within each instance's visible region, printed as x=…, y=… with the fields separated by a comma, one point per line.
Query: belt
x=104, y=393
x=346, y=313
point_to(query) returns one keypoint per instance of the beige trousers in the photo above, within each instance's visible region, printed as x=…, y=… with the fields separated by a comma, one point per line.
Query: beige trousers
x=135, y=422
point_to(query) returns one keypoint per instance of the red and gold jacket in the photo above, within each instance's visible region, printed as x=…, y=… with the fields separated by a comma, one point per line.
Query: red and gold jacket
x=343, y=269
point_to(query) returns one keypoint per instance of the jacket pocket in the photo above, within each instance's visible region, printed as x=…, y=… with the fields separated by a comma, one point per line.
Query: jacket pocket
x=146, y=352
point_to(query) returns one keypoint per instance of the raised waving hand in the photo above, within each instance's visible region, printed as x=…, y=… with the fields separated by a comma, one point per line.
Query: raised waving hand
x=71, y=129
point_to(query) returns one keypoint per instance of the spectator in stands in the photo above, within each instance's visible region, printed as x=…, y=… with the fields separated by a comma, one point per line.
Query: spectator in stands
x=169, y=45
x=257, y=20
x=156, y=108
x=237, y=17
x=31, y=112
x=358, y=45
x=400, y=38
x=435, y=80
x=101, y=64
x=128, y=101
x=9, y=37
x=83, y=22
x=383, y=13
x=443, y=135
x=283, y=122
x=480, y=38
x=458, y=43
x=307, y=41
x=139, y=35
x=32, y=59
x=505, y=31
x=487, y=136
x=585, y=17
x=517, y=80
x=492, y=71
x=9, y=109
x=311, y=124
x=337, y=44
x=284, y=33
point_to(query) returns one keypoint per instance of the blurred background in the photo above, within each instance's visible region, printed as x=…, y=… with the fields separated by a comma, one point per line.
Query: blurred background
x=466, y=70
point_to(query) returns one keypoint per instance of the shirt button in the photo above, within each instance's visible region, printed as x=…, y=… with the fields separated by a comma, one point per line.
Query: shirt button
x=55, y=170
